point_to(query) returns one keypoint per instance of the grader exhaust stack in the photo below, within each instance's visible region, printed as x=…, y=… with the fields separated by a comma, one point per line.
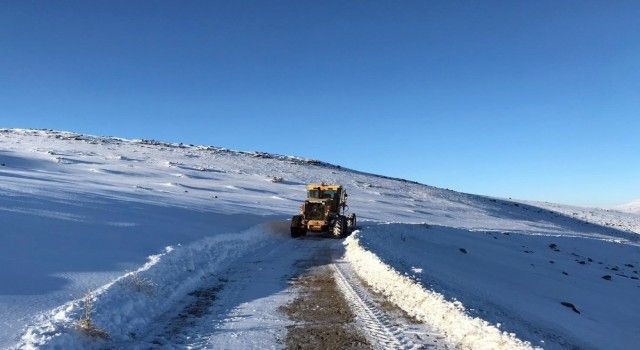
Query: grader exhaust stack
x=323, y=211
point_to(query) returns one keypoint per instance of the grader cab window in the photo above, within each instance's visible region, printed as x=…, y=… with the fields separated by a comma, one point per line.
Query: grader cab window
x=321, y=194
x=328, y=194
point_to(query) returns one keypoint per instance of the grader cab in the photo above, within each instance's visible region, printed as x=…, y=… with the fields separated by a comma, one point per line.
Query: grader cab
x=324, y=211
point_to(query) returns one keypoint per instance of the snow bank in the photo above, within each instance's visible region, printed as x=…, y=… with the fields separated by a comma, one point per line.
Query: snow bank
x=126, y=307
x=450, y=318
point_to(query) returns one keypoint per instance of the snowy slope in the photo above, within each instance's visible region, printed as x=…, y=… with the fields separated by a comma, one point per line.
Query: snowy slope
x=79, y=212
x=625, y=220
x=631, y=207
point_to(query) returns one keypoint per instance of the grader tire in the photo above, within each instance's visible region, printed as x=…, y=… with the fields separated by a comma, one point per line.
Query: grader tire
x=351, y=223
x=296, y=227
x=340, y=227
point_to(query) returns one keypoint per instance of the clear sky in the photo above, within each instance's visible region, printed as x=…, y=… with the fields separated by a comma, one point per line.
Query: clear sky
x=525, y=99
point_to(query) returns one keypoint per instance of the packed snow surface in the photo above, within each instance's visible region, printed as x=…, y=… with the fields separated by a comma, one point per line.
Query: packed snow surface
x=134, y=226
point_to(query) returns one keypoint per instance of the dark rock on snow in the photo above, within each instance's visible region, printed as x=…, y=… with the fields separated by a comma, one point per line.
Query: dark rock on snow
x=571, y=306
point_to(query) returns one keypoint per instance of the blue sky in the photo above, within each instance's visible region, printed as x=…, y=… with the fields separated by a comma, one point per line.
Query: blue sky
x=533, y=100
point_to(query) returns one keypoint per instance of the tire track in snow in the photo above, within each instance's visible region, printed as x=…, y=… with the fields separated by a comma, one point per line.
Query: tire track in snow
x=384, y=330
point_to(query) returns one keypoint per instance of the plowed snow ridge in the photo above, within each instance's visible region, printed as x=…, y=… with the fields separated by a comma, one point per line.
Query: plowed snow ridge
x=384, y=332
x=134, y=301
x=427, y=306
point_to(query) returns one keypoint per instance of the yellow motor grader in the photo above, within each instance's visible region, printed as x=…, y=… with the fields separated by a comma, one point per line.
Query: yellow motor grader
x=324, y=211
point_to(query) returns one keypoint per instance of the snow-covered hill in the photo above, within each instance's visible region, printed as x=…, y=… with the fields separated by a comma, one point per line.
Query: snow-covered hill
x=631, y=207
x=624, y=221
x=81, y=214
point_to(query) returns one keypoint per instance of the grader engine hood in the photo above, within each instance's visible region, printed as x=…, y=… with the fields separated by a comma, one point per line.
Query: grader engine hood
x=315, y=210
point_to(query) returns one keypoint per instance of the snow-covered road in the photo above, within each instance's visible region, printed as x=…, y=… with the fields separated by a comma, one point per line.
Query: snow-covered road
x=243, y=311
x=241, y=307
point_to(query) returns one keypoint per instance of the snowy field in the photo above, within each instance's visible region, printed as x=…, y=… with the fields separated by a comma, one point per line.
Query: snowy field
x=138, y=225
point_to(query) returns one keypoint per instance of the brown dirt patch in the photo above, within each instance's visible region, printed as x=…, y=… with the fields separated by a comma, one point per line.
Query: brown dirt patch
x=323, y=317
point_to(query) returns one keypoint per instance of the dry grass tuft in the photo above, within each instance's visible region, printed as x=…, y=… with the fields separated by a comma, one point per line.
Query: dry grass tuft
x=85, y=325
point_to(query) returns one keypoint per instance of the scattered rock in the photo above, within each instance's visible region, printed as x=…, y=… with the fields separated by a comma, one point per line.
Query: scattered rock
x=554, y=247
x=589, y=260
x=582, y=262
x=565, y=273
x=463, y=250
x=606, y=277
x=528, y=251
x=627, y=265
x=571, y=306
x=551, y=262
x=615, y=268
x=276, y=179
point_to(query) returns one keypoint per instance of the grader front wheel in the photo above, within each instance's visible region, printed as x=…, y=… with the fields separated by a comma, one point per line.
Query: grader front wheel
x=351, y=222
x=340, y=227
x=297, y=227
